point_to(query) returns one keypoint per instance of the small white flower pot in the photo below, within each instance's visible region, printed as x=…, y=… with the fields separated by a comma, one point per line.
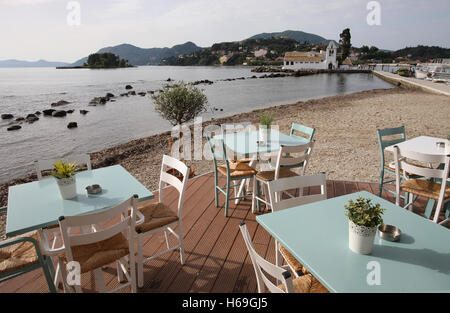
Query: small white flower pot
x=361, y=238
x=67, y=187
x=264, y=134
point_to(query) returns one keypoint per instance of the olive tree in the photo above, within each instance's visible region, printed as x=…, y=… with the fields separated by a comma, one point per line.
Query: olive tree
x=180, y=103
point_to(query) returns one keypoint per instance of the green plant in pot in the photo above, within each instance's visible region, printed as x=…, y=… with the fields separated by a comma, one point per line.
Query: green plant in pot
x=364, y=218
x=64, y=172
x=265, y=122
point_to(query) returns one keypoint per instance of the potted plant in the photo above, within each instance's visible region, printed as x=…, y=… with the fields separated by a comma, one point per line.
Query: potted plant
x=265, y=122
x=65, y=177
x=364, y=218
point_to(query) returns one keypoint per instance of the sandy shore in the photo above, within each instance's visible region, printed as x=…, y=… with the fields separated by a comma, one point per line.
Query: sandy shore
x=346, y=143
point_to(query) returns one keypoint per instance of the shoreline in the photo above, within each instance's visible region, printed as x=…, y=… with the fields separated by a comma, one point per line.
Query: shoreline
x=345, y=134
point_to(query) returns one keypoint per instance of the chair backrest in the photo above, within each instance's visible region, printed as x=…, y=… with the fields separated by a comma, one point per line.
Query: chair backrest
x=127, y=213
x=218, y=150
x=406, y=160
x=261, y=266
x=308, y=132
x=398, y=132
x=47, y=164
x=300, y=158
x=166, y=178
x=277, y=187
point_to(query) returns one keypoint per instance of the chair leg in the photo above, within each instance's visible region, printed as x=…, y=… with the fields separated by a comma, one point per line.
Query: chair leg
x=132, y=273
x=253, y=196
x=258, y=204
x=47, y=273
x=227, y=196
x=181, y=239
x=99, y=280
x=216, y=192
x=380, y=188
x=167, y=239
x=120, y=275
x=140, y=262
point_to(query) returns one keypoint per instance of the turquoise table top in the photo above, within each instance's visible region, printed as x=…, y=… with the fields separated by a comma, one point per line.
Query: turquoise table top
x=38, y=204
x=317, y=235
x=246, y=143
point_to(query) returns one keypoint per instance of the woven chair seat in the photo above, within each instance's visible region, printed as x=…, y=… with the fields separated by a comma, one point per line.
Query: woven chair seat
x=237, y=170
x=19, y=255
x=99, y=254
x=424, y=188
x=156, y=215
x=292, y=261
x=270, y=175
x=244, y=160
x=306, y=284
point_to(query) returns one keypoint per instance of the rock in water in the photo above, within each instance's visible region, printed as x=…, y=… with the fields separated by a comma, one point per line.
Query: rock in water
x=69, y=111
x=72, y=125
x=48, y=112
x=59, y=103
x=128, y=87
x=31, y=118
x=37, y=113
x=132, y=93
x=84, y=112
x=20, y=119
x=109, y=95
x=7, y=116
x=59, y=113
x=14, y=127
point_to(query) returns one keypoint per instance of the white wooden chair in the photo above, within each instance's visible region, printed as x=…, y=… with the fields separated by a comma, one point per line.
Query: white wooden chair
x=423, y=187
x=277, y=202
x=47, y=164
x=94, y=250
x=157, y=217
x=302, y=284
x=288, y=157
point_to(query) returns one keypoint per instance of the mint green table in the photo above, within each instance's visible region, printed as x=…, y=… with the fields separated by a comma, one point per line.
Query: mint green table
x=317, y=235
x=246, y=143
x=38, y=204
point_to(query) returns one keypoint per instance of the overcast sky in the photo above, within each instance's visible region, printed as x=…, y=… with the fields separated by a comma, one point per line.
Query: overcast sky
x=38, y=29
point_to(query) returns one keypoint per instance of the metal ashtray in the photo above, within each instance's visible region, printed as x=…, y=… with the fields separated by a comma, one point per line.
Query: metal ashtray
x=94, y=189
x=389, y=232
x=440, y=144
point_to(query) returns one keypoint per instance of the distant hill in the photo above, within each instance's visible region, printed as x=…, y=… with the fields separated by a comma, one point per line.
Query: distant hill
x=39, y=63
x=299, y=36
x=140, y=56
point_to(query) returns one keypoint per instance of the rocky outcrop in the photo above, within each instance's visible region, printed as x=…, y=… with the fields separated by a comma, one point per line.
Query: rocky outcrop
x=109, y=95
x=59, y=113
x=128, y=87
x=206, y=81
x=37, y=113
x=69, y=111
x=132, y=93
x=142, y=93
x=19, y=119
x=84, y=112
x=48, y=112
x=7, y=116
x=14, y=127
x=31, y=118
x=72, y=125
x=60, y=103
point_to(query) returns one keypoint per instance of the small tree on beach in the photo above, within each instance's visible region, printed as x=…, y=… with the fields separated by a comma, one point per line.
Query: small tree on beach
x=345, y=43
x=180, y=103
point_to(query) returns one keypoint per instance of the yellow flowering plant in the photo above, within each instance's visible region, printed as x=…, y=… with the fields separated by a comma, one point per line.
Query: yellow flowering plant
x=63, y=169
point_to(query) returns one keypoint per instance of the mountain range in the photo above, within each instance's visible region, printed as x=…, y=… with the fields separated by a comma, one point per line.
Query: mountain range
x=154, y=56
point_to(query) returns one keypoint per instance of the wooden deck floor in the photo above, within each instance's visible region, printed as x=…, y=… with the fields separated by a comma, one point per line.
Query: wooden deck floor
x=216, y=256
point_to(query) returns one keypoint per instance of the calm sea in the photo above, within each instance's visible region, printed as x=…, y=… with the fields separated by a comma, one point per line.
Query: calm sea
x=26, y=90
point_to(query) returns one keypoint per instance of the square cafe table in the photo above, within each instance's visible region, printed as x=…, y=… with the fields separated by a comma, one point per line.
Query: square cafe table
x=316, y=234
x=39, y=204
x=421, y=144
x=246, y=143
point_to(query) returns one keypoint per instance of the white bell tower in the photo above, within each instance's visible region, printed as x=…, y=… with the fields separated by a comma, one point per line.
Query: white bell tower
x=330, y=58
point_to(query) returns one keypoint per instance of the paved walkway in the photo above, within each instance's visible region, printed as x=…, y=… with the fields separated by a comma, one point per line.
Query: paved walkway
x=440, y=88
